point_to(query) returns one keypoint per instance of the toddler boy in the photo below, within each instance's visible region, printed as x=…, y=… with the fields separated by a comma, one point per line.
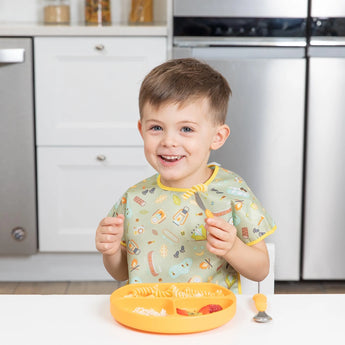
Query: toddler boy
x=192, y=221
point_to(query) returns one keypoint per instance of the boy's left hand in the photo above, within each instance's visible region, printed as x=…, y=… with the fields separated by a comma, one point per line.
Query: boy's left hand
x=221, y=236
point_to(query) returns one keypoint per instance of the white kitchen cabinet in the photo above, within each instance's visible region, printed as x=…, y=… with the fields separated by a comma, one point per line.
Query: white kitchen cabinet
x=87, y=88
x=89, y=150
x=77, y=187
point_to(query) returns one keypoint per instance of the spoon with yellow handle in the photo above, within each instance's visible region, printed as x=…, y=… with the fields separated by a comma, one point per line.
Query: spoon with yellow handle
x=261, y=305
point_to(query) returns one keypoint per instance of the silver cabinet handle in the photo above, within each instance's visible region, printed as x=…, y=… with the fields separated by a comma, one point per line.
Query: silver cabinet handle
x=99, y=47
x=101, y=158
x=12, y=55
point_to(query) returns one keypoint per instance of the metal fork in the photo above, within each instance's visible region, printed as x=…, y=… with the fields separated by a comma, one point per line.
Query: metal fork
x=261, y=305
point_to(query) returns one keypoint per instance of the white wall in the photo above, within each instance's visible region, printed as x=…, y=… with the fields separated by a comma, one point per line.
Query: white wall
x=32, y=10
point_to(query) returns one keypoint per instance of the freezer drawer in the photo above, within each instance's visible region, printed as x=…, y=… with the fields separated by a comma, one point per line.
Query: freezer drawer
x=324, y=237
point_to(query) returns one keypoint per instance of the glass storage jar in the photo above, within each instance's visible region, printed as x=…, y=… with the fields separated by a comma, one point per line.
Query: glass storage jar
x=56, y=12
x=97, y=12
x=141, y=12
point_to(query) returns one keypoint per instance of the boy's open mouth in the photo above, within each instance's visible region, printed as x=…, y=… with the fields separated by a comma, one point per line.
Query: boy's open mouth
x=170, y=158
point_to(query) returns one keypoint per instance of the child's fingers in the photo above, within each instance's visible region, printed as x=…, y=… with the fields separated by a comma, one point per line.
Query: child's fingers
x=113, y=231
x=108, y=242
x=111, y=225
x=219, y=240
x=220, y=236
x=110, y=229
x=107, y=248
x=109, y=234
x=218, y=246
x=107, y=238
x=217, y=234
x=112, y=220
x=218, y=227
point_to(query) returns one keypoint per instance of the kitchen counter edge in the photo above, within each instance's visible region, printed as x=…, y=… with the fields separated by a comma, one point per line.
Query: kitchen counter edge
x=30, y=29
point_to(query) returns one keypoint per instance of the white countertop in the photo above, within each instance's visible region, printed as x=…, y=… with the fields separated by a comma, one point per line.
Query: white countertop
x=35, y=29
x=86, y=319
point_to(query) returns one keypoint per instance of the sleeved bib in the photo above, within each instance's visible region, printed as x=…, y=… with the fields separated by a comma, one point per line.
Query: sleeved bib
x=165, y=231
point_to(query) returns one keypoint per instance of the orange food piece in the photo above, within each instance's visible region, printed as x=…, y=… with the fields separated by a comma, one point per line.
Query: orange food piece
x=210, y=308
x=185, y=312
x=207, y=309
x=208, y=213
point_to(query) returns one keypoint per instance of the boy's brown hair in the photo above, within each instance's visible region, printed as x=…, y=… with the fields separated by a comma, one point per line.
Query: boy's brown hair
x=185, y=80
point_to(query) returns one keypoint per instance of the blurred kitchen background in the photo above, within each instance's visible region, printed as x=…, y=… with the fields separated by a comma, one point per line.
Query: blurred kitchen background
x=68, y=128
x=31, y=11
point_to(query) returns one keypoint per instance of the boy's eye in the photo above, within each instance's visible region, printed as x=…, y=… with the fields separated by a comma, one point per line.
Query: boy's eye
x=156, y=128
x=186, y=129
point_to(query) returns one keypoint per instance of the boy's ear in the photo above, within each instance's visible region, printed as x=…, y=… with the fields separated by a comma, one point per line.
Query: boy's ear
x=140, y=128
x=220, y=137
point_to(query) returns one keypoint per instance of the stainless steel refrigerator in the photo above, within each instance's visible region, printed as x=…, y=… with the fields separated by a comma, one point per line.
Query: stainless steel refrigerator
x=260, y=48
x=324, y=232
x=18, y=223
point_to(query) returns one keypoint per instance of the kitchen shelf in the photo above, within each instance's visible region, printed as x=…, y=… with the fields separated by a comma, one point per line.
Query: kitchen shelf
x=79, y=29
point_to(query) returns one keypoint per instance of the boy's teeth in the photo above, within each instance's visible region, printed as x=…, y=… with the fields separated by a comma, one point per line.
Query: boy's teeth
x=171, y=158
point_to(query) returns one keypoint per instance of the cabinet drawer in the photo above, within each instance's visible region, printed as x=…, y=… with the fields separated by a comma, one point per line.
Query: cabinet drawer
x=76, y=189
x=87, y=88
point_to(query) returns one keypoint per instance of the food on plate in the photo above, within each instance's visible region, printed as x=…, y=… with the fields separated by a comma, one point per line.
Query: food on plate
x=149, y=312
x=210, y=308
x=185, y=312
x=149, y=291
x=207, y=309
x=172, y=291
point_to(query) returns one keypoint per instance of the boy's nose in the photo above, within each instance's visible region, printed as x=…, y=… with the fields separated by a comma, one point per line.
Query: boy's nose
x=169, y=140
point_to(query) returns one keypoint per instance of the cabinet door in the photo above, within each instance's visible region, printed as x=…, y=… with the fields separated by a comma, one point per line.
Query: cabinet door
x=87, y=88
x=76, y=189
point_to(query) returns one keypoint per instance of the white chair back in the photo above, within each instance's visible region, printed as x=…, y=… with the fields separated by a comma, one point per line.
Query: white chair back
x=250, y=287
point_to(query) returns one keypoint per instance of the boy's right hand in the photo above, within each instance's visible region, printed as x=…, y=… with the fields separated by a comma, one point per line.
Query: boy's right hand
x=109, y=234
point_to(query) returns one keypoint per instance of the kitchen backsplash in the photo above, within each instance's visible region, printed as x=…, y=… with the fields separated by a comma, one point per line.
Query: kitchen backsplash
x=32, y=11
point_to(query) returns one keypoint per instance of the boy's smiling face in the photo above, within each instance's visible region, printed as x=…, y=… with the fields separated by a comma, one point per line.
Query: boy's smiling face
x=178, y=141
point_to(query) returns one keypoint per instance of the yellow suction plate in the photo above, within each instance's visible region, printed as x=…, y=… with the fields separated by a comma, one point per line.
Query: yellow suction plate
x=167, y=297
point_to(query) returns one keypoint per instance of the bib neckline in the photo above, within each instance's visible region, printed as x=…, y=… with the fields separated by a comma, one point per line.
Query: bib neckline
x=212, y=177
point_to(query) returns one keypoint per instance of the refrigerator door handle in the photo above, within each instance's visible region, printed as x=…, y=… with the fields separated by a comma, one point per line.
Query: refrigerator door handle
x=15, y=55
x=202, y=42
